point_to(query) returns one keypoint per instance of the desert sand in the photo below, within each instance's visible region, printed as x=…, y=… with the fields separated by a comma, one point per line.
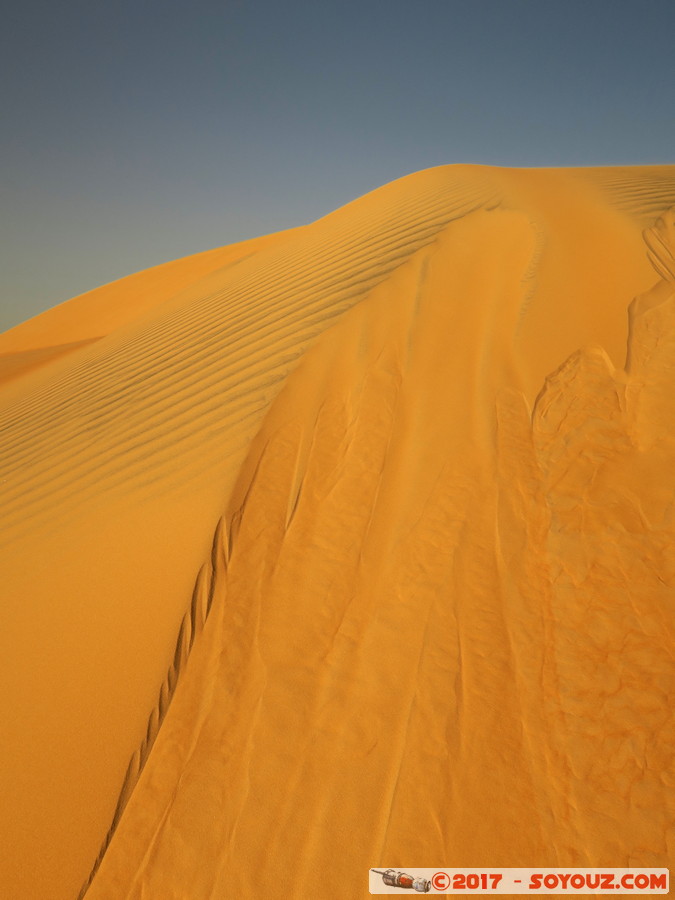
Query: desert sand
x=348, y=547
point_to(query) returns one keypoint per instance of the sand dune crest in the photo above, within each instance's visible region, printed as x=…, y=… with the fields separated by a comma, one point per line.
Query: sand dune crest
x=356, y=547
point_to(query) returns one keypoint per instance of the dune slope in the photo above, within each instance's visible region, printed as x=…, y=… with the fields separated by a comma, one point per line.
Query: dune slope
x=433, y=427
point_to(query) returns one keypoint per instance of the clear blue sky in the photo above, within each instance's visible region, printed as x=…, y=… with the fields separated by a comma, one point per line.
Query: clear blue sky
x=133, y=133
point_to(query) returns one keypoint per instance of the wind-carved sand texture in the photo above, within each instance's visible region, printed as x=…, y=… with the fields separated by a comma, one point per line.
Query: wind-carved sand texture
x=358, y=544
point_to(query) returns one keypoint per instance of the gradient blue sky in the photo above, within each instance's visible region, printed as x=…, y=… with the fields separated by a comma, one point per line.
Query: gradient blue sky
x=138, y=132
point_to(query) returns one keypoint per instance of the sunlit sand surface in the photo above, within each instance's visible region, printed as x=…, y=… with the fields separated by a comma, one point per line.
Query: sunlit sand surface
x=348, y=546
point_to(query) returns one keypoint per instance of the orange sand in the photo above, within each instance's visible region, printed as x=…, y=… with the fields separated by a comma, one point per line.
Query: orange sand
x=420, y=456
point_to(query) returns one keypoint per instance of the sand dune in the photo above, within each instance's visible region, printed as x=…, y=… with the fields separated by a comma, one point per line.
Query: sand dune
x=374, y=519
x=14, y=365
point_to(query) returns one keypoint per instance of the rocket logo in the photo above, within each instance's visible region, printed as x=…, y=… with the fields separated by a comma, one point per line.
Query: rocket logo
x=402, y=880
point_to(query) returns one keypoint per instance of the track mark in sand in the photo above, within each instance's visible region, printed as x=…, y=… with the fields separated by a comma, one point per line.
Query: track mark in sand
x=660, y=241
x=528, y=281
x=298, y=478
x=192, y=625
